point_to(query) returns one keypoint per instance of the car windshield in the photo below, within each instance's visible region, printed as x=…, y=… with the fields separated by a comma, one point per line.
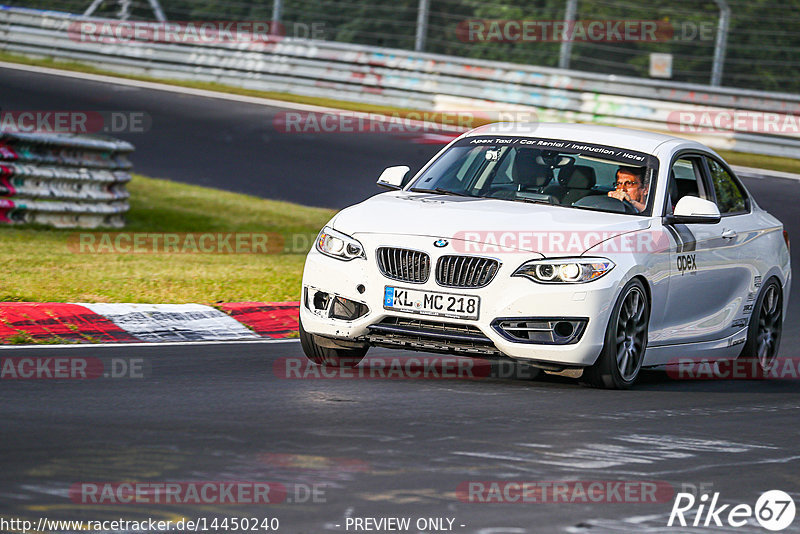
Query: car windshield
x=556, y=172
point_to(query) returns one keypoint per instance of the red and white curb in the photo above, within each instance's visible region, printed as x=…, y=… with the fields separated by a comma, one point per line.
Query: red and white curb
x=149, y=323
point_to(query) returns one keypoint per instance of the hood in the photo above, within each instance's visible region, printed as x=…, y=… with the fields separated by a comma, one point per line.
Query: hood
x=520, y=226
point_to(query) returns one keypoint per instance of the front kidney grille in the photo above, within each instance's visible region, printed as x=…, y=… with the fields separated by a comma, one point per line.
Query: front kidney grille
x=404, y=265
x=465, y=271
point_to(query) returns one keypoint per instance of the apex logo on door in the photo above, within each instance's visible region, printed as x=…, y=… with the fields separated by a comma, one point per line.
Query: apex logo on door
x=686, y=263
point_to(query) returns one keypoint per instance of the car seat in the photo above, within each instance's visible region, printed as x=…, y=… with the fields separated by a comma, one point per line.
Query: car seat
x=578, y=183
x=528, y=173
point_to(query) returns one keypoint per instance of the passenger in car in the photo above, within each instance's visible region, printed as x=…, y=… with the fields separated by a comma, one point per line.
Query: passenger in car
x=631, y=187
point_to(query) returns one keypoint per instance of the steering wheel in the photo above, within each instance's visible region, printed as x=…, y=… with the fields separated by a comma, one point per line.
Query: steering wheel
x=629, y=208
x=606, y=203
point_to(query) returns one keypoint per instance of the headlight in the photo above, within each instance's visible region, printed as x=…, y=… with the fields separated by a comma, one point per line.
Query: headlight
x=565, y=271
x=338, y=245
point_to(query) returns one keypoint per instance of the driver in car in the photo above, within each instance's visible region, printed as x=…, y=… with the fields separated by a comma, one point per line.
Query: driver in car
x=630, y=187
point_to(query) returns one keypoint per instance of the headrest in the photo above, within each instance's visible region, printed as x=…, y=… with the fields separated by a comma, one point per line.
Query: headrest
x=673, y=187
x=527, y=171
x=580, y=177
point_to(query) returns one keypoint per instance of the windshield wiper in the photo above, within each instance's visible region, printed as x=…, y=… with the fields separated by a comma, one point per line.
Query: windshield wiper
x=532, y=200
x=440, y=191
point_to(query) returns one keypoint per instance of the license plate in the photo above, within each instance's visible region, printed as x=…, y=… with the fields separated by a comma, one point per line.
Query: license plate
x=431, y=303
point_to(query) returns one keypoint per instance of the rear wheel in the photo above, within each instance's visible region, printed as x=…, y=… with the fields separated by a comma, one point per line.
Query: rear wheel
x=766, y=325
x=621, y=359
x=329, y=357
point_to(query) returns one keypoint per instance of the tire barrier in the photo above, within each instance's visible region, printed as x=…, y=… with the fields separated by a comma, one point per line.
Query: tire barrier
x=733, y=119
x=63, y=180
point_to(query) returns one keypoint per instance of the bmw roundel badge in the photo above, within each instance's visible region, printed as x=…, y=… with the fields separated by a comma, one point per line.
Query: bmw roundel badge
x=441, y=243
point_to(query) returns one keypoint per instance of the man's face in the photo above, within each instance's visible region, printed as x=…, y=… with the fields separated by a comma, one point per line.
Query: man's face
x=631, y=184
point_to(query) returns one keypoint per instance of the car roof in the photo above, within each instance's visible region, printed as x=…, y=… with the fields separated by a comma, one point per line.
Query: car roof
x=639, y=140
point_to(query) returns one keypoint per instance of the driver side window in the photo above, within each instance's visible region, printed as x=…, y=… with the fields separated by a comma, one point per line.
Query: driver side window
x=685, y=179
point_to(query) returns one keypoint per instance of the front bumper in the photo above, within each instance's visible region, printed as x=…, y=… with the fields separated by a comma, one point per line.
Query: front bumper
x=505, y=298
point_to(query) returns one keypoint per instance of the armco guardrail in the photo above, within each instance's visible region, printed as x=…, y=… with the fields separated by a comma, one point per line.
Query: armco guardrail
x=423, y=81
x=65, y=181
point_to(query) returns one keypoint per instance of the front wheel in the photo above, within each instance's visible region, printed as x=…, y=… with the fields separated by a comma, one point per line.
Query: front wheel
x=328, y=356
x=621, y=359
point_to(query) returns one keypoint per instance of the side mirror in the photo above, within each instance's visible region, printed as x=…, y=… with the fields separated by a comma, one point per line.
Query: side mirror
x=694, y=210
x=392, y=177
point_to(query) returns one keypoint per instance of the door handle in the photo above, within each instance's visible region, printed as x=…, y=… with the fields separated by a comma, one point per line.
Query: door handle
x=729, y=234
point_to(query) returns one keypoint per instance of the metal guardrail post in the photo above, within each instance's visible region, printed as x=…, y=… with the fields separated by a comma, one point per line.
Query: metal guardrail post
x=566, y=44
x=721, y=43
x=277, y=12
x=92, y=8
x=422, y=26
x=156, y=7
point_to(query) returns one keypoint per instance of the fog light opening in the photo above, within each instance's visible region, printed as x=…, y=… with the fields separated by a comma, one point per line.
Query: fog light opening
x=541, y=330
x=564, y=329
x=347, y=310
x=320, y=300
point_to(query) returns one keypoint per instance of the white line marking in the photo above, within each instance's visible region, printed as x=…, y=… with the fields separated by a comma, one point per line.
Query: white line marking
x=145, y=344
x=751, y=172
x=736, y=465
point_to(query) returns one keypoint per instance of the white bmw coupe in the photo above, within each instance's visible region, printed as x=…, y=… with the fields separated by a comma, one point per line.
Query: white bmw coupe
x=559, y=245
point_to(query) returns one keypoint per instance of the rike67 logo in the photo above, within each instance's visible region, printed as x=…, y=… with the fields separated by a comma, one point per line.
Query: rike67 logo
x=774, y=510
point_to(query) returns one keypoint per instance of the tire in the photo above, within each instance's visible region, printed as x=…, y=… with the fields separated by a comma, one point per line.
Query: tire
x=327, y=356
x=621, y=359
x=765, y=328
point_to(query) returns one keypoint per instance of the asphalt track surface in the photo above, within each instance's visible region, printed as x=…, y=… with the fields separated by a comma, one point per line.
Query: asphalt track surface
x=374, y=447
x=236, y=146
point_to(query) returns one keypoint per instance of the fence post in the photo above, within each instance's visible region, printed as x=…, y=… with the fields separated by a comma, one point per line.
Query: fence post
x=722, y=41
x=422, y=26
x=566, y=44
x=277, y=11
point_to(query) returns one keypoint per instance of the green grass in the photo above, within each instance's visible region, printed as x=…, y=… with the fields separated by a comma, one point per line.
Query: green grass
x=42, y=264
x=24, y=338
x=758, y=161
